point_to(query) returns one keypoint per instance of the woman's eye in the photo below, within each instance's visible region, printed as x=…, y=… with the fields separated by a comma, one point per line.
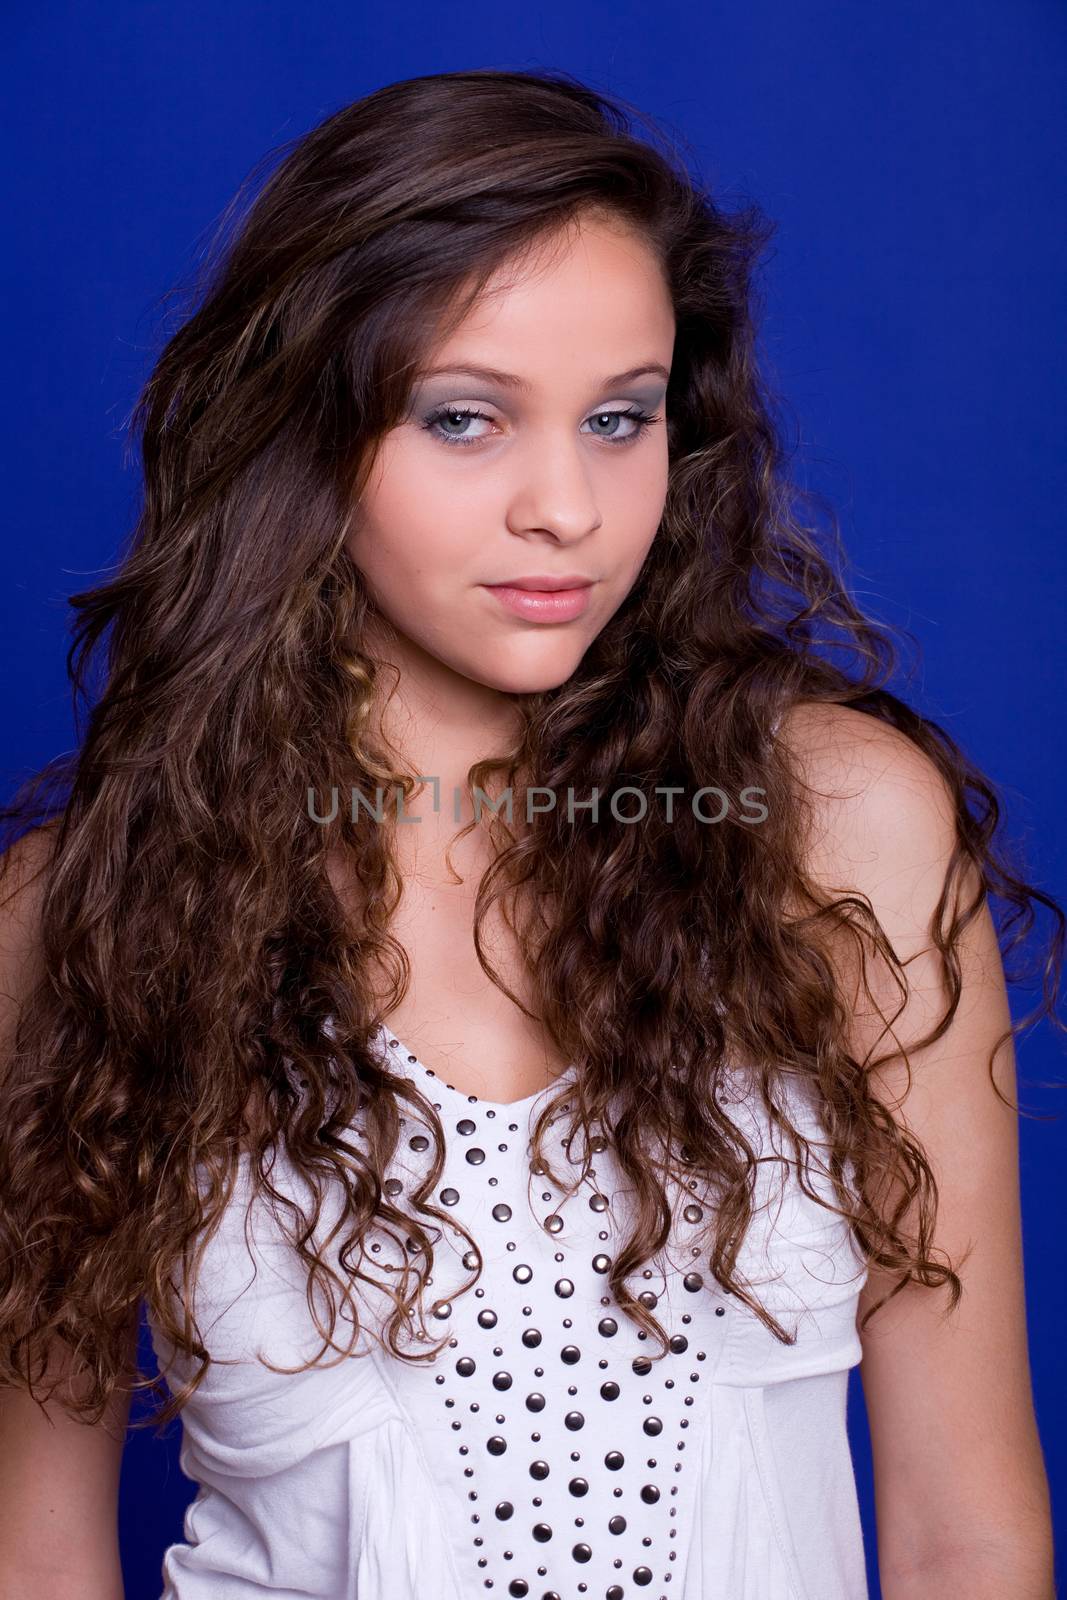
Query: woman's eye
x=634, y=414
x=450, y=424
x=445, y=417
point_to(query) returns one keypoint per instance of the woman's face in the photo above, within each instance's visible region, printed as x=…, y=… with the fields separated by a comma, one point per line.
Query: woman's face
x=555, y=477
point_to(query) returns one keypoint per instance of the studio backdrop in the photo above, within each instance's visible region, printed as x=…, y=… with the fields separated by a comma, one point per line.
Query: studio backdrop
x=912, y=158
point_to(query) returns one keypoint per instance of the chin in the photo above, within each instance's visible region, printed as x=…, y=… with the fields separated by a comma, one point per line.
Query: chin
x=517, y=677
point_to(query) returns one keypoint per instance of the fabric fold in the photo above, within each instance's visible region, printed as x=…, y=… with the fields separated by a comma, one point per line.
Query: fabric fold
x=543, y=1442
x=736, y=1549
x=403, y=1550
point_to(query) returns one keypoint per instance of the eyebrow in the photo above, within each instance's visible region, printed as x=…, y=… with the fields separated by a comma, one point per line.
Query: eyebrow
x=508, y=380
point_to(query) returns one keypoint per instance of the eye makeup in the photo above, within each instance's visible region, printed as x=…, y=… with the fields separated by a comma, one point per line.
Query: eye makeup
x=433, y=423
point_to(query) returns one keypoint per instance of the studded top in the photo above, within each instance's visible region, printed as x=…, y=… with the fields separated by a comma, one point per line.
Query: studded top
x=545, y=1453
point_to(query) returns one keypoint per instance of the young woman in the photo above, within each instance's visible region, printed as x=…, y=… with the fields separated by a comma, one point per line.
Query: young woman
x=505, y=983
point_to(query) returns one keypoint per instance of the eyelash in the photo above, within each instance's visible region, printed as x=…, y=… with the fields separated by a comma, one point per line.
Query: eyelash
x=644, y=420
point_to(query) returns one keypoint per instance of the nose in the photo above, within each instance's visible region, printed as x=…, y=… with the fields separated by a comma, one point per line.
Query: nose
x=554, y=494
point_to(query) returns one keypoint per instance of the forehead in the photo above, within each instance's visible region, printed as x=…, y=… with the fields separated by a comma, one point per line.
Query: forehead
x=592, y=295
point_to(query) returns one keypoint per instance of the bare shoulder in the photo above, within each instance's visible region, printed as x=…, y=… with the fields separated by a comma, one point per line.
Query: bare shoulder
x=858, y=762
x=881, y=827
x=23, y=884
x=881, y=815
x=22, y=863
x=959, y=1475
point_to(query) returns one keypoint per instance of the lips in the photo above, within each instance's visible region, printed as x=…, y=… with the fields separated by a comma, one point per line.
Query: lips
x=543, y=605
x=543, y=585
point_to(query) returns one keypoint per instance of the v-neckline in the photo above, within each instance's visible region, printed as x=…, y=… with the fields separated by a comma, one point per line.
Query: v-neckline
x=409, y=1060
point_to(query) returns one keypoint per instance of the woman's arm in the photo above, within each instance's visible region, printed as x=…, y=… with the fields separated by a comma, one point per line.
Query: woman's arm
x=59, y=1486
x=961, y=1492
x=58, y=1478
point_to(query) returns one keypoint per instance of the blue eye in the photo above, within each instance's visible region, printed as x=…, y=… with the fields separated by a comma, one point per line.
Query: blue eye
x=462, y=414
x=643, y=419
x=454, y=414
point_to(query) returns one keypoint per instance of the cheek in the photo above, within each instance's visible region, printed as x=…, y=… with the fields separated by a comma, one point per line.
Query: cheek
x=633, y=503
x=414, y=539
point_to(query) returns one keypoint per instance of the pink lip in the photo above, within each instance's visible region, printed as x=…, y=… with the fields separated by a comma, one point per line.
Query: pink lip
x=542, y=605
x=544, y=580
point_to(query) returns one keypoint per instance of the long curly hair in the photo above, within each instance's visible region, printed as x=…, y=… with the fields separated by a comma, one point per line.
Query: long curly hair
x=197, y=958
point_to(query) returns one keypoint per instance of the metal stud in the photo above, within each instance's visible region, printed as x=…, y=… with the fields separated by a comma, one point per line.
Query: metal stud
x=613, y=1367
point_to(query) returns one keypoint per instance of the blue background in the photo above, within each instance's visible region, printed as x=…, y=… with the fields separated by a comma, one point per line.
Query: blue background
x=913, y=157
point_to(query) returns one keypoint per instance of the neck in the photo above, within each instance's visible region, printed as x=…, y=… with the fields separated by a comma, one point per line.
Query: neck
x=440, y=723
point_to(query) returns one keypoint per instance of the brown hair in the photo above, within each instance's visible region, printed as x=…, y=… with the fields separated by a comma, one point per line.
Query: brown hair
x=194, y=947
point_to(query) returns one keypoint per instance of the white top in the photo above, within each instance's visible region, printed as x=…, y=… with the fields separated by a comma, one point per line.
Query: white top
x=543, y=1455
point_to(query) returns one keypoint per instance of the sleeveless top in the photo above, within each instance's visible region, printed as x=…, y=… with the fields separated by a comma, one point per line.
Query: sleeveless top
x=543, y=1454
